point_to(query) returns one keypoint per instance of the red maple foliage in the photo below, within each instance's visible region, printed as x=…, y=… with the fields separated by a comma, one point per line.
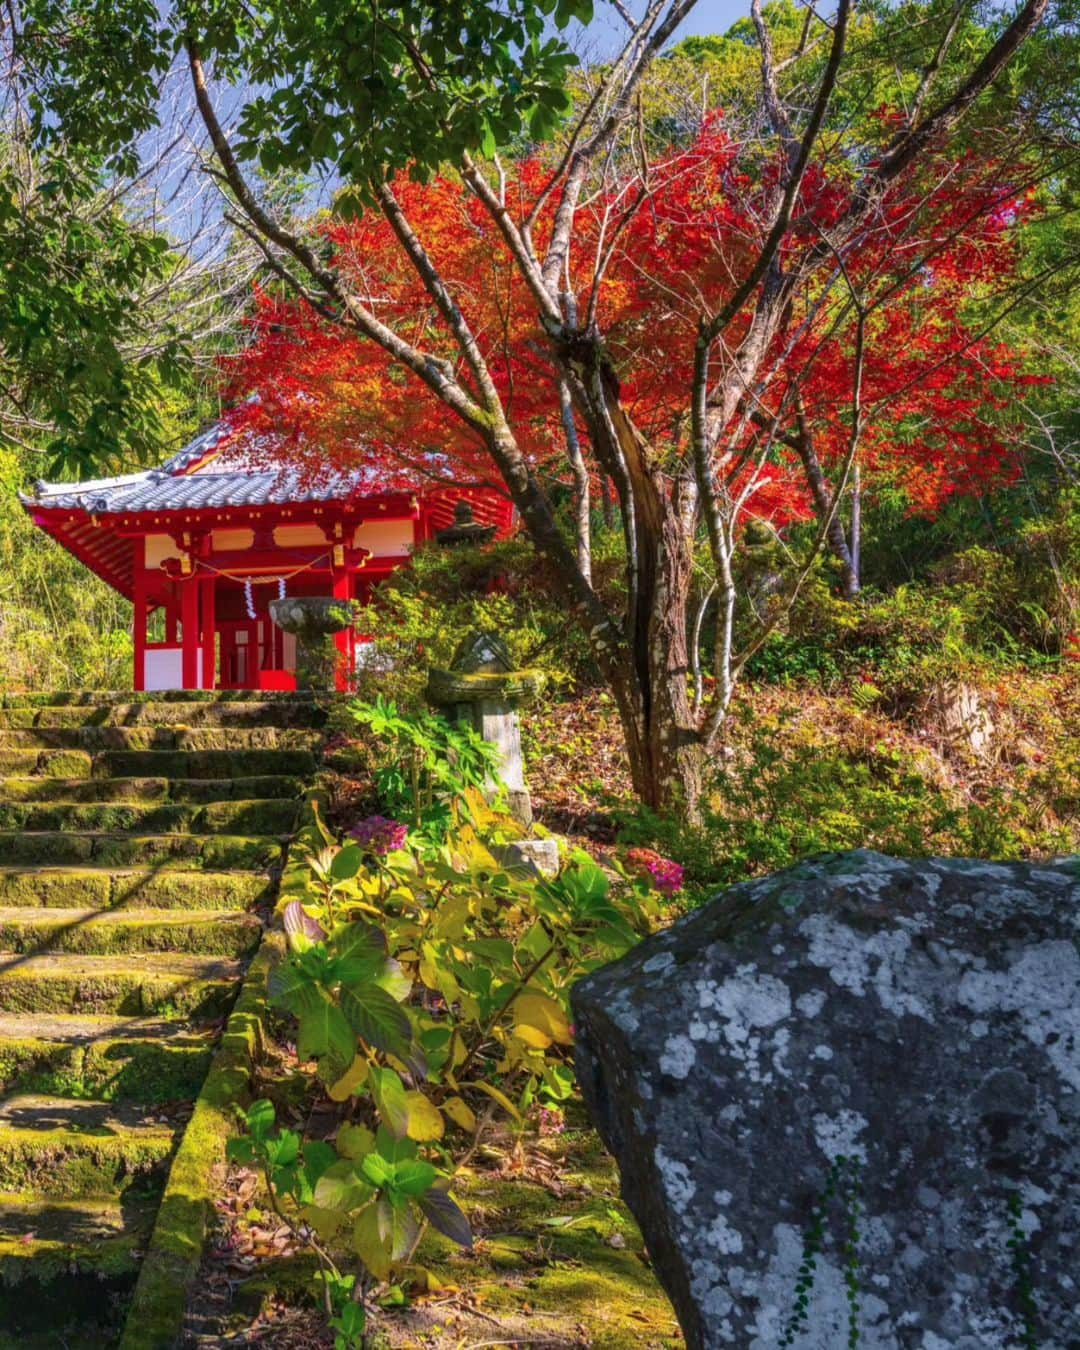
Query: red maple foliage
x=645, y=266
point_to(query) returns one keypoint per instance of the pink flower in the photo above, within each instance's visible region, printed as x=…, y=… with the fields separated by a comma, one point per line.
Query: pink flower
x=551, y=1120
x=666, y=875
x=380, y=835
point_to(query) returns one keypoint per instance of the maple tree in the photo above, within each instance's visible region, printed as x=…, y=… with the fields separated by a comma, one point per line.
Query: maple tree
x=657, y=319
x=945, y=393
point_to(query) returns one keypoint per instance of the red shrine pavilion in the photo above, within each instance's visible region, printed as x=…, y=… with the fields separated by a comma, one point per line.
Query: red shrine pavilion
x=211, y=537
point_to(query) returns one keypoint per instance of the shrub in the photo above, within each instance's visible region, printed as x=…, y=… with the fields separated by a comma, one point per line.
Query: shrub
x=429, y=981
x=420, y=613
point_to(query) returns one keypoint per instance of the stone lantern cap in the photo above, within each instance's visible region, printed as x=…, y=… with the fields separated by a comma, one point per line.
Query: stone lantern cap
x=466, y=529
x=482, y=671
x=313, y=616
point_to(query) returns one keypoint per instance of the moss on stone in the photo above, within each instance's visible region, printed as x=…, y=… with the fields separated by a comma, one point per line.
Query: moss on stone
x=248, y=817
x=166, y=888
x=70, y=1163
x=228, y=764
x=86, y=984
x=109, y=1069
x=220, y=852
x=263, y=786
x=55, y=886
x=176, y=1245
x=42, y=789
x=205, y=932
x=17, y=846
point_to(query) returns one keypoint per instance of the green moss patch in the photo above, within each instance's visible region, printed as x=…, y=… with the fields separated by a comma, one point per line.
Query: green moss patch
x=232, y=817
x=158, y=738
x=166, y=712
x=42, y=1240
x=17, y=846
x=129, y=930
x=201, y=790
x=83, y=789
x=176, y=1246
x=66, y=887
x=73, y=1149
x=181, y=985
x=163, y=1065
x=166, y=886
x=50, y=763
x=203, y=764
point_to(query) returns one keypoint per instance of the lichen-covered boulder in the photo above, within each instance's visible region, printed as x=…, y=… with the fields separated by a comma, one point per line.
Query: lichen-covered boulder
x=845, y=1101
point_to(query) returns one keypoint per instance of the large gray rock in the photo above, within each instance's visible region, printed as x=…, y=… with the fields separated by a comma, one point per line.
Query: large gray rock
x=845, y=1101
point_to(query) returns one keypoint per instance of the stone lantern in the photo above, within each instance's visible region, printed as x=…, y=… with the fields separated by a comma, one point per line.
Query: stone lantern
x=483, y=690
x=314, y=620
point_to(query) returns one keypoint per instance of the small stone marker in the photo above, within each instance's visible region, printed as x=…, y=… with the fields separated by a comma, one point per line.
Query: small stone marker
x=845, y=1100
x=483, y=689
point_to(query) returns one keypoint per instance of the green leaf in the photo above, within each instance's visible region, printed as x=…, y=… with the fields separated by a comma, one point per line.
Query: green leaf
x=342, y=1187
x=354, y=1141
x=347, y=863
x=319, y=1156
x=377, y=1019
x=395, y=1148
x=369, y=1244
x=389, y=1093
x=324, y=1034
x=377, y=1170
x=445, y=1216
x=414, y=1176
x=397, y=1226
x=260, y=1118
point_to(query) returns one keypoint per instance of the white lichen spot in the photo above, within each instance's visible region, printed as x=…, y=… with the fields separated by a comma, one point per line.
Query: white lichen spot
x=661, y=961
x=1040, y=988
x=675, y=1180
x=826, y=1323
x=855, y=960
x=823, y=1052
x=811, y=1004
x=720, y=1234
x=678, y=1056
x=838, y=1136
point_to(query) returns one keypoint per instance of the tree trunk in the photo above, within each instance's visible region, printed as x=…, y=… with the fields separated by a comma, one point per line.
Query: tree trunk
x=666, y=753
x=819, y=490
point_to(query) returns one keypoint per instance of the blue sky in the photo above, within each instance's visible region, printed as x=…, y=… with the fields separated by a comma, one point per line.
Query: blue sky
x=708, y=16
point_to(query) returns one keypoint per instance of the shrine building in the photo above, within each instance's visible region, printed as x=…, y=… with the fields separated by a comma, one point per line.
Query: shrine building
x=202, y=545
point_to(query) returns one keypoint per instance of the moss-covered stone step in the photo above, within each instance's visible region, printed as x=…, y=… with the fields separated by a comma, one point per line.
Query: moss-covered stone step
x=189, y=790
x=65, y=764
x=167, y=886
x=275, y=815
x=98, y=697
x=159, y=737
x=98, y=933
x=51, y=1239
x=295, y=713
x=69, y=1149
x=203, y=764
x=107, y=1058
x=127, y=850
x=199, y=987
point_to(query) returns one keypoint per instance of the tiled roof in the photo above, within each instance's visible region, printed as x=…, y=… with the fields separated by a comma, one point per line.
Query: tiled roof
x=180, y=485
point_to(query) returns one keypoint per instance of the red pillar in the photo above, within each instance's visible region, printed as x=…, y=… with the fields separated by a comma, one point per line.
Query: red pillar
x=209, y=632
x=138, y=620
x=343, y=640
x=189, y=624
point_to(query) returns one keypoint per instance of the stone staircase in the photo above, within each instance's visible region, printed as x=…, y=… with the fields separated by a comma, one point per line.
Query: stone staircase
x=140, y=843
